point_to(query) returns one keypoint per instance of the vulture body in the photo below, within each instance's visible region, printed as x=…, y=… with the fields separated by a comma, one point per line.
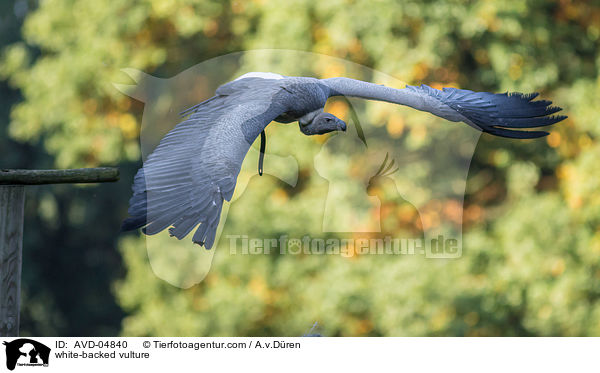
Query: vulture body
x=183, y=183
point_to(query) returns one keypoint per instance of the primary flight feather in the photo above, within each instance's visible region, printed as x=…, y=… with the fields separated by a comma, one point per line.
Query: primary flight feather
x=183, y=183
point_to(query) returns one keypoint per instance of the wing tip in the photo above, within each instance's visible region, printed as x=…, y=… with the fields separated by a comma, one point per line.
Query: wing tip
x=514, y=134
x=203, y=244
x=524, y=96
x=133, y=223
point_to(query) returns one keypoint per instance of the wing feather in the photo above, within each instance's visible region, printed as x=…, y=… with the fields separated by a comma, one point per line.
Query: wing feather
x=185, y=180
x=498, y=114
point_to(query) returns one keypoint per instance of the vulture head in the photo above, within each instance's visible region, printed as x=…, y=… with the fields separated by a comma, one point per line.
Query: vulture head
x=321, y=123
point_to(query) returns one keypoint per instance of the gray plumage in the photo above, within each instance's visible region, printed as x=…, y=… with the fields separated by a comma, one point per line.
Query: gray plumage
x=184, y=182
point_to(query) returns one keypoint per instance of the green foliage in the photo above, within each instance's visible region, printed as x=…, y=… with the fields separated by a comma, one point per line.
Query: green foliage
x=531, y=259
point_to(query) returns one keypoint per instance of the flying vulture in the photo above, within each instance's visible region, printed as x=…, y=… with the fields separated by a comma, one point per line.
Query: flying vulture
x=195, y=166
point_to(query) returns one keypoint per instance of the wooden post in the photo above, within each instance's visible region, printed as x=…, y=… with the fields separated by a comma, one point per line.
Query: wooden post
x=74, y=176
x=12, y=201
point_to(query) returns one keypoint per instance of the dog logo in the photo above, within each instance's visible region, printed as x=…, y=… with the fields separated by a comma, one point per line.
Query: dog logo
x=26, y=352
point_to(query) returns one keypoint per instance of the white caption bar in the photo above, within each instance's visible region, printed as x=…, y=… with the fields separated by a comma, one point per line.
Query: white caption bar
x=41, y=355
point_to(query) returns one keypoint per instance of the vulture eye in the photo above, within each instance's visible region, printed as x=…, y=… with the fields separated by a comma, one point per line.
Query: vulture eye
x=327, y=119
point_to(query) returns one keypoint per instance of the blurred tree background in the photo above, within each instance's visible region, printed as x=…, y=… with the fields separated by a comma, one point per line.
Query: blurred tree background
x=531, y=250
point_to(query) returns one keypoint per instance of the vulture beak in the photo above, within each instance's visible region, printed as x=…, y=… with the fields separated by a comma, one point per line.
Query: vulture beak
x=341, y=125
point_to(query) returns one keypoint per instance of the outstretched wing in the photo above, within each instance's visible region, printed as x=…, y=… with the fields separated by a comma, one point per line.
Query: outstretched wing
x=498, y=114
x=195, y=166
